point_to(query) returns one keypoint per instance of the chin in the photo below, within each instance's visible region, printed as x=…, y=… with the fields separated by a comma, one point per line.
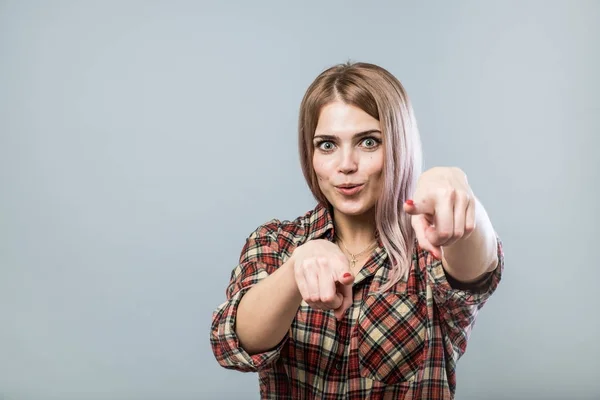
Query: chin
x=351, y=207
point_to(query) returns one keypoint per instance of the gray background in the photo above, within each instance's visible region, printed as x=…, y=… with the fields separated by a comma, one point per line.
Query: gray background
x=141, y=142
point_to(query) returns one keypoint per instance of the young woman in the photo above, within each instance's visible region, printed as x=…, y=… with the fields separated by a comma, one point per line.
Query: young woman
x=374, y=292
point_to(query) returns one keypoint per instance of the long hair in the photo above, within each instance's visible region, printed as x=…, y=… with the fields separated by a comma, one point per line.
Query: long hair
x=377, y=92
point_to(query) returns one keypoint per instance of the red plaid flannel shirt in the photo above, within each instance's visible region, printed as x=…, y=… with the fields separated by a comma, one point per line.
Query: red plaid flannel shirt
x=402, y=344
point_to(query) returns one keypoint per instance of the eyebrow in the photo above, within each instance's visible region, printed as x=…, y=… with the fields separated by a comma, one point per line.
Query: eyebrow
x=356, y=135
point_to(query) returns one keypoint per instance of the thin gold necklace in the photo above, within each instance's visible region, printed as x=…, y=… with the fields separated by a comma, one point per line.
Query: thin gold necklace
x=355, y=256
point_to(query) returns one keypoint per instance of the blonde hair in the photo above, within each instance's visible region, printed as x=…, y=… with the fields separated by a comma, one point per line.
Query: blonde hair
x=377, y=92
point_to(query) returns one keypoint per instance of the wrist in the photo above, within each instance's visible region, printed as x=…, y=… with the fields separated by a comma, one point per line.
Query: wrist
x=290, y=273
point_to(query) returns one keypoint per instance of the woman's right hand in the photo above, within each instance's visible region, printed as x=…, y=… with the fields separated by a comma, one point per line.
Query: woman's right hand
x=323, y=276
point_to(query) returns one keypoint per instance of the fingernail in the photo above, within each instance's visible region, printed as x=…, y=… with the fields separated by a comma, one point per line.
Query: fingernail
x=410, y=202
x=347, y=275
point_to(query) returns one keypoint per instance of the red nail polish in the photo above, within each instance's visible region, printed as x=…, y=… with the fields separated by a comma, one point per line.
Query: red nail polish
x=347, y=275
x=410, y=202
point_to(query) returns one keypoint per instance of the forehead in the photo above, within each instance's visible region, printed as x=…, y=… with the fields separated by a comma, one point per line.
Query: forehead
x=340, y=119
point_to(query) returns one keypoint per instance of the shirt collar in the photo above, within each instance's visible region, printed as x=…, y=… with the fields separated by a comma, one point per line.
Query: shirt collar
x=320, y=223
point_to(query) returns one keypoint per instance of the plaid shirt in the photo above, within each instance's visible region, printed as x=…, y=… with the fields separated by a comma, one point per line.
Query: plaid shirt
x=402, y=344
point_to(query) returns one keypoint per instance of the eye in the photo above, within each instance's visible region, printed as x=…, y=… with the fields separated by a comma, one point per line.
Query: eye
x=325, y=145
x=371, y=142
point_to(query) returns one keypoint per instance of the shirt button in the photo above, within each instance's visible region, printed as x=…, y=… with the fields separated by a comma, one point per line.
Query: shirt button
x=338, y=366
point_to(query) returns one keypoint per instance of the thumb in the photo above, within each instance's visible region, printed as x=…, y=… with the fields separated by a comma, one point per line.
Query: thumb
x=422, y=227
x=346, y=291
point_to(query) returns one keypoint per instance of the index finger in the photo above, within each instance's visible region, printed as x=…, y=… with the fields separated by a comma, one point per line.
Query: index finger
x=416, y=207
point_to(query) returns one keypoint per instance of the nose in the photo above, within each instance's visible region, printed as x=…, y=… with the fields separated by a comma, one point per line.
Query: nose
x=348, y=162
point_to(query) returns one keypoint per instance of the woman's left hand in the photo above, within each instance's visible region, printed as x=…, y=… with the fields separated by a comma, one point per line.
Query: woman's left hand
x=443, y=208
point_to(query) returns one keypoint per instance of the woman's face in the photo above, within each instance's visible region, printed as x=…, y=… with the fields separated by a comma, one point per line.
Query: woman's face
x=348, y=158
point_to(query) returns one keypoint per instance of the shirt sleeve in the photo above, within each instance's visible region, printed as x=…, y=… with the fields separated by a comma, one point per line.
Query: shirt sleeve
x=259, y=258
x=458, y=304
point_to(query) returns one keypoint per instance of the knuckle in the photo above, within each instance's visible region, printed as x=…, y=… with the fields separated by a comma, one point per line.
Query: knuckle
x=322, y=260
x=307, y=264
x=448, y=192
x=444, y=234
x=328, y=299
x=462, y=198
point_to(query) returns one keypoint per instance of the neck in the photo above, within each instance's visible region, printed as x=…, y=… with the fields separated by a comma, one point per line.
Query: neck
x=356, y=231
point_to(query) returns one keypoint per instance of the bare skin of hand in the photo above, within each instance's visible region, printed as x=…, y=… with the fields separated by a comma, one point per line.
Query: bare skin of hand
x=443, y=208
x=323, y=276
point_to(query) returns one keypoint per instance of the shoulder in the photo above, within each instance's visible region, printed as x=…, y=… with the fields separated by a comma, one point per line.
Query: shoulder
x=286, y=229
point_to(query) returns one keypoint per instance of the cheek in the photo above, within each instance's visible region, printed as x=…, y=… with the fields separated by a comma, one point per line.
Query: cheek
x=375, y=164
x=321, y=172
x=318, y=168
x=323, y=167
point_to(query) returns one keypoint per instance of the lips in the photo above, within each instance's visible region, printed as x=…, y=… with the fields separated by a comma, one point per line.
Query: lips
x=349, y=189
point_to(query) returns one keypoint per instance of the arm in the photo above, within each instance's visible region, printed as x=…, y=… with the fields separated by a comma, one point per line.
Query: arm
x=458, y=247
x=267, y=310
x=249, y=328
x=459, y=301
x=264, y=294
